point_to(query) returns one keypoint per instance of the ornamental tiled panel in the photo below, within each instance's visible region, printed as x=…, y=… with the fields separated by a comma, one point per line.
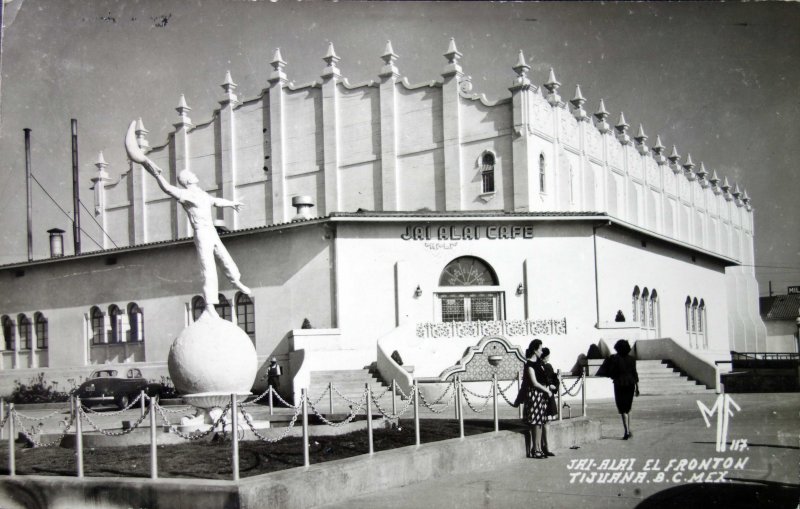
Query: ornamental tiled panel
x=615, y=156
x=634, y=163
x=568, y=132
x=594, y=143
x=511, y=328
x=542, y=115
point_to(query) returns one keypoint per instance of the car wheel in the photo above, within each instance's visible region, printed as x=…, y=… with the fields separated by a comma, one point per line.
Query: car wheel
x=123, y=401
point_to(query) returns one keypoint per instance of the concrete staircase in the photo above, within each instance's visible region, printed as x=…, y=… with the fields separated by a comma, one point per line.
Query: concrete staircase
x=660, y=377
x=349, y=383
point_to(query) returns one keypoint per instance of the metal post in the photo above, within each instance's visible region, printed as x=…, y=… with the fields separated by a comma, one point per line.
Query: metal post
x=494, y=403
x=369, y=419
x=28, y=190
x=304, y=404
x=558, y=392
x=11, y=459
x=583, y=394
x=415, y=388
x=141, y=403
x=330, y=398
x=71, y=406
x=153, y=441
x=235, y=437
x=2, y=418
x=78, y=437
x=394, y=396
x=459, y=412
x=457, y=395
x=519, y=388
x=270, y=400
x=76, y=221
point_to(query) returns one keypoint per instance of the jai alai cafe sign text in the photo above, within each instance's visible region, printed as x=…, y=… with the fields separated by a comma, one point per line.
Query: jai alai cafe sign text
x=467, y=232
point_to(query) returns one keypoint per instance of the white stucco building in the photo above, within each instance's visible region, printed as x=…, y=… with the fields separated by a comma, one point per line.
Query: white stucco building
x=425, y=218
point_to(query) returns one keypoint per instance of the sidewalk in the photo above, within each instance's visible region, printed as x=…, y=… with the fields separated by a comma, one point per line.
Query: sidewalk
x=764, y=474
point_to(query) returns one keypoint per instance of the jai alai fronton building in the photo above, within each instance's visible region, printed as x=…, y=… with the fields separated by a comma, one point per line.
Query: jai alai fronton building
x=397, y=217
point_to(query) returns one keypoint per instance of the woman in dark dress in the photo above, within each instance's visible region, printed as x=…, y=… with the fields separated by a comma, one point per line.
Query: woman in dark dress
x=535, y=408
x=622, y=370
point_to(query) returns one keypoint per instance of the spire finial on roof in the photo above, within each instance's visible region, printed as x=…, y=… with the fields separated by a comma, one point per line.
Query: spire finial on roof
x=641, y=138
x=278, y=75
x=389, y=70
x=229, y=86
x=577, y=102
x=658, y=152
x=521, y=68
x=183, y=110
x=551, y=86
x=687, y=167
x=101, y=161
x=331, y=59
x=453, y=68
x=601, y=115
x=622, y=129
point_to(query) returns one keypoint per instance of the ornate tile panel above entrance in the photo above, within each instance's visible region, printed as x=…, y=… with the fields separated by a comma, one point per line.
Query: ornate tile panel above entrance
x=510, y=328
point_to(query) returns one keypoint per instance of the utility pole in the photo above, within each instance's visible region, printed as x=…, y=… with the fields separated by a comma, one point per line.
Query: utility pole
x=76, y=221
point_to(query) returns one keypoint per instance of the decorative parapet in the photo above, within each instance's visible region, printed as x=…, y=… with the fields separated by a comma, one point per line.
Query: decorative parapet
x=507, y=328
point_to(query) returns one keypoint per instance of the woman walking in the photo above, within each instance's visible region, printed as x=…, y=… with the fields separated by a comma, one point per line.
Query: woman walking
x=535, y=408
x=621, y=368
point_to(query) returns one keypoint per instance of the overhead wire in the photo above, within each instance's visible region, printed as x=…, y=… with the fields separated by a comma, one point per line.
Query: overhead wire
x=33, y=177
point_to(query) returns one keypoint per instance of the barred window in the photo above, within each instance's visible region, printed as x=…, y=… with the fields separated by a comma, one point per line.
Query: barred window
x=24, y=324
x=224, y=308
x=487, y=172
x=40, y=323
x=96, y=317
x=136, y=320
x=245, y=315
x=198, y=306
x=542, y=175
x=9, y=333
x=115, y=317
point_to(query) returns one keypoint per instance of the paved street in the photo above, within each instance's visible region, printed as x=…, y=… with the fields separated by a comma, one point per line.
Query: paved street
x=665, y=429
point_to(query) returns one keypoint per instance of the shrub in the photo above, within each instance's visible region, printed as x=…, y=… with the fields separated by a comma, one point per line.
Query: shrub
x=37, y=390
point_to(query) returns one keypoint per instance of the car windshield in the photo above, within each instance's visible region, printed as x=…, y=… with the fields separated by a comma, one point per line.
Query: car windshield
x=105, y=373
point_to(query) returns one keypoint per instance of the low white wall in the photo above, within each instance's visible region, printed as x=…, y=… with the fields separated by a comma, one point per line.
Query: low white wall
x=702, y=370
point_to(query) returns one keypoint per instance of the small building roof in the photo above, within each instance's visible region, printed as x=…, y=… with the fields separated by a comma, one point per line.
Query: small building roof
x=780, y=307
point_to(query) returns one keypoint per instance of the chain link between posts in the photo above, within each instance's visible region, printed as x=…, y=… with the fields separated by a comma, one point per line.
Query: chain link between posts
x=353, y=411
x=114, y=433
x=447, y=403
x=43, y=418
x=469, y=403
x=31, y=435
x=503, y=392
x=86, y=409
x=258, y=398
x=193, y=436
x=266, y=439
x=398, y=414
x=568, y=391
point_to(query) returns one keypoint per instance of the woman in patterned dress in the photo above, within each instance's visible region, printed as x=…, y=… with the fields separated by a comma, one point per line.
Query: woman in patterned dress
x=534, y=411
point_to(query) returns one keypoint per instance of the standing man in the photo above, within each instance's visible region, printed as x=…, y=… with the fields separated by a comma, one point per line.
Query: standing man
x=197, y=204
x=274, y=374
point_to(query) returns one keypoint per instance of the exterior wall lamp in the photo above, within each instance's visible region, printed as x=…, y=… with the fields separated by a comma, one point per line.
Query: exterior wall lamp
x=418, y=292
x=520, y=289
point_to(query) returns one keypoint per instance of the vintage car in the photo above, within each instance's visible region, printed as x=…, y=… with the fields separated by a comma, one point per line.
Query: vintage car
x=106, y=386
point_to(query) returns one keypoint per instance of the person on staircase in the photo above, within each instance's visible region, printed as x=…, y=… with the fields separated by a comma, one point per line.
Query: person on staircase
x=621, y=368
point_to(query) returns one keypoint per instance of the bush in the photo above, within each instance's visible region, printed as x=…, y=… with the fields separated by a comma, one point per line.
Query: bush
x=37, y=390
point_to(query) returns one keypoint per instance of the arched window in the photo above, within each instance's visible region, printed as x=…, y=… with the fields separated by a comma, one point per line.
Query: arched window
x=473, y=304
x=701, y=308
x=223, y=308
x=96, y=317
x=688, y=306
x=694, y=315
x=487, y=172
x=9, y=334
x=115, y=319
x=24, y=324
x=40, y=323
x=644, y=307
x=245, y=315
x=635, y=303
x=136, y=321
x=198, y=306
x=653, y=308
x=542, y=176
x=468, y=271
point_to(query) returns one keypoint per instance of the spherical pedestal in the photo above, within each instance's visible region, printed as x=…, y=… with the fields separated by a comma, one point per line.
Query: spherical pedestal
x=210, y=360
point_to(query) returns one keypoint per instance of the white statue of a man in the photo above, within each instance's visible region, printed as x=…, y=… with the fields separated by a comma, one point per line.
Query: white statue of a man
x=197, y=204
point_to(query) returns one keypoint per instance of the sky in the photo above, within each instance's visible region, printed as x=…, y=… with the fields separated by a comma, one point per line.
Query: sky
x=718, y=80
